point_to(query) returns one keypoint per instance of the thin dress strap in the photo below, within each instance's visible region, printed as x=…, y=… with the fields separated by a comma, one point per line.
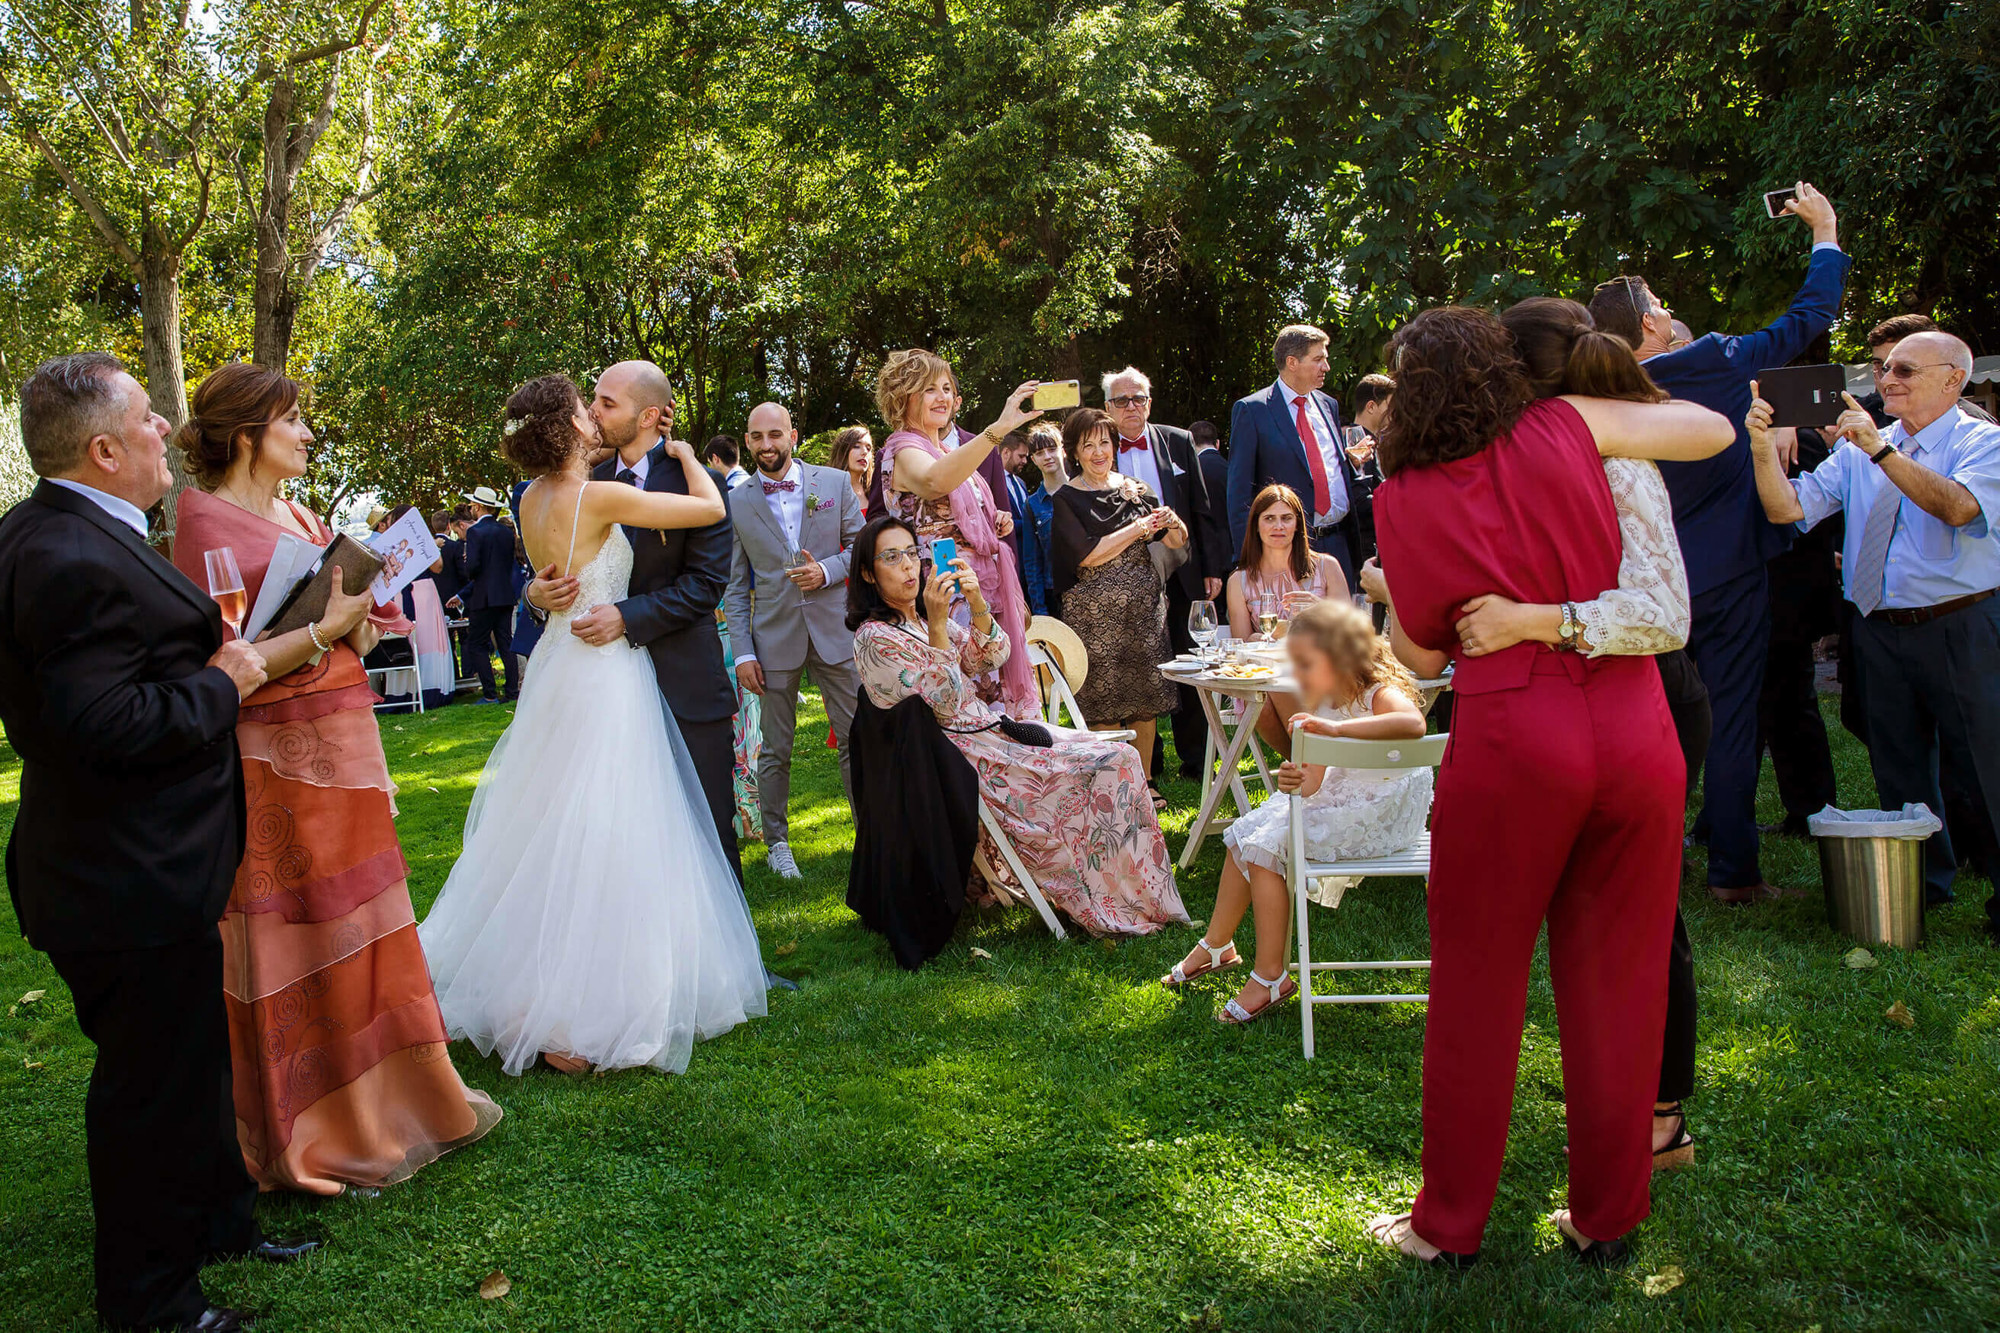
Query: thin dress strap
x=574, y=515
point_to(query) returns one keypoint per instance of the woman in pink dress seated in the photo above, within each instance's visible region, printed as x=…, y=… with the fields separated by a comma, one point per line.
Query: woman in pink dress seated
x=1077, y=811
x=341, y=1072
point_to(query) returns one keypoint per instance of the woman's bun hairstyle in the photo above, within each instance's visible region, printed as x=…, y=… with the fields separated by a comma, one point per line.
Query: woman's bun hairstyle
x=227, y=415
x=537, y=434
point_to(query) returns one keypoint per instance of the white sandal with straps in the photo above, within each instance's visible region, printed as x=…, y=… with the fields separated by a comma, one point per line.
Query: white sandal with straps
x=1180, y=976
x=1234, y=1012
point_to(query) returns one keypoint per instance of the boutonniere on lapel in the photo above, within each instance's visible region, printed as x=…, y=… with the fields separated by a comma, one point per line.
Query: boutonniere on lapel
x=814, y=504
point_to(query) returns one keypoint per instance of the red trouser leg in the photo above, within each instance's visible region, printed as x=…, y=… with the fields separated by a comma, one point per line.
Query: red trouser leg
x=1515, y=789
x=1609, y=926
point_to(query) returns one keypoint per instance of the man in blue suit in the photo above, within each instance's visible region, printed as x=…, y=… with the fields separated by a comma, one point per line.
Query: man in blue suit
x=1725, y=538
x=1291, y=433
x=488, y=595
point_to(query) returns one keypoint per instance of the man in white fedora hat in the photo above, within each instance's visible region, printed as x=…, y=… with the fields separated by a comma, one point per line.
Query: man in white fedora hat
x=488, y=595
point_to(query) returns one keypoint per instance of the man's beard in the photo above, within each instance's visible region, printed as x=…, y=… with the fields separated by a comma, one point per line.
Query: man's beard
x=608, y=436
x=782, y=463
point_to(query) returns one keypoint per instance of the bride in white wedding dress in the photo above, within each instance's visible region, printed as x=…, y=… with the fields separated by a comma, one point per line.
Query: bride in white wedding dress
x=592, y=916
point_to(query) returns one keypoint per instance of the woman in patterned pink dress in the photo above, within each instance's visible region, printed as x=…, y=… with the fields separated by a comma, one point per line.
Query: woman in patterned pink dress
x=1077, y=811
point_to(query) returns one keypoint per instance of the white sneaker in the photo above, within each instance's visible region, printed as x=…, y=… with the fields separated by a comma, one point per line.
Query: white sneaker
x=779, y=858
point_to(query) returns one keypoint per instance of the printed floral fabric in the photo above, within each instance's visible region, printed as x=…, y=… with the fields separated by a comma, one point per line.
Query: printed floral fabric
x=748, y=734
x=1077, y=813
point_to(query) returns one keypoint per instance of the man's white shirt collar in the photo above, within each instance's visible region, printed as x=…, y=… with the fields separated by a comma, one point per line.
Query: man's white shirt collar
x=117, y=506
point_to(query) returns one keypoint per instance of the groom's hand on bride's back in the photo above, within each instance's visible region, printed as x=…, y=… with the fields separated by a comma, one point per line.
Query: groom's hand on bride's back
x=548, y=593
x=599, y=625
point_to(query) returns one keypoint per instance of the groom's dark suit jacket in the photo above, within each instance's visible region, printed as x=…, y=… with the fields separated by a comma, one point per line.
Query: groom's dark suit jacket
x=131, y=820
x=677, y=582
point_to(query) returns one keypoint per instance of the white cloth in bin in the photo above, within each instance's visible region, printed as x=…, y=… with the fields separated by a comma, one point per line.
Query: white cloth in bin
x=1912, y=821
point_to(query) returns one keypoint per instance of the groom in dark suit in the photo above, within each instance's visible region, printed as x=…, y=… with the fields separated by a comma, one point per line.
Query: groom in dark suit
x=120, y=695
x=677, y=581
x=1291, y=433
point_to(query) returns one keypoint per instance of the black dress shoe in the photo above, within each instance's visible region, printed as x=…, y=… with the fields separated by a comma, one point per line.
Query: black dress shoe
x=282, y=1251
x=215, y=1319
x=1791, y=826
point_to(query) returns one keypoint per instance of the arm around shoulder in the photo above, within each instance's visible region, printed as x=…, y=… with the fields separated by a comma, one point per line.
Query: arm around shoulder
x=1675, y=431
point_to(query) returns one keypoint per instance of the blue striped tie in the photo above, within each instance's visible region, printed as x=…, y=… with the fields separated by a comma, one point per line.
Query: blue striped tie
x=1871, y=562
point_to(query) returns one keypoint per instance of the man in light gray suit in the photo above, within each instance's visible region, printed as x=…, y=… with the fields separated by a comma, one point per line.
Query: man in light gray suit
x=793, y=526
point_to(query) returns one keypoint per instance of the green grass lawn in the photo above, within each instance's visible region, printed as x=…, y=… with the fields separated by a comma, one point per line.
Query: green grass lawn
x=1045, y=1139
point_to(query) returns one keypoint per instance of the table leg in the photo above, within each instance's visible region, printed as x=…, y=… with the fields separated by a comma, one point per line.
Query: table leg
x=1228, y=781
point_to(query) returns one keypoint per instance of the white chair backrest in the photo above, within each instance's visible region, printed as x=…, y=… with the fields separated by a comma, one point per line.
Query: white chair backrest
x=1060, y=696
x=1348, y=752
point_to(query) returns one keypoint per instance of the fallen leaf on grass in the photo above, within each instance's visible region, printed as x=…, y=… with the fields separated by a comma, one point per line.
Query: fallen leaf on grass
x=494, y=1285
x=32, y=996
x=430, y=789
x=978, y=952
x=31, y=1064
x=786, y=950
x=1899, y=1014
x=1198, y=925
x=1859, y=958
x=1664, y=1281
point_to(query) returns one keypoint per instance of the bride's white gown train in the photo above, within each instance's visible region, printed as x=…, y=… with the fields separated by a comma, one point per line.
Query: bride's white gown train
x=592, y=912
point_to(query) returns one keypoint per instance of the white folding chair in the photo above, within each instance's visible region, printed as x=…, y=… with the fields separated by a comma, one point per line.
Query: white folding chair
x=378, y=679
x=1345, y=752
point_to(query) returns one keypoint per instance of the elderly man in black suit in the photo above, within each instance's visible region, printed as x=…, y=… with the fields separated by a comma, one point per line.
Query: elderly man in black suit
x=1163, y=457
x=120, y=696
x=678, y=578
x=1291, y=432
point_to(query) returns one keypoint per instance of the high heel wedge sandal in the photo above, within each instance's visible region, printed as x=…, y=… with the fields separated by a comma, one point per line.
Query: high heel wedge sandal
x=1180, y=976
x=1282, y=989
x=1679, y=1151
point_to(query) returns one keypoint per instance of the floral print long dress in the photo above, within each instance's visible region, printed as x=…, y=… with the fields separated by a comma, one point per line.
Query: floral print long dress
x=1077, y=812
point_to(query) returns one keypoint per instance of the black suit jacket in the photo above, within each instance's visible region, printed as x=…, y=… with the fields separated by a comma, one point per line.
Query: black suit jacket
x=1215, y=542
x=489, y=565
x=131, y=818
x=1185, y=491
x=678, y=579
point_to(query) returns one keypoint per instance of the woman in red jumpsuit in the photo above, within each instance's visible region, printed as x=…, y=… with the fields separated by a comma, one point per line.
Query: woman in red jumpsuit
x=1560, y=795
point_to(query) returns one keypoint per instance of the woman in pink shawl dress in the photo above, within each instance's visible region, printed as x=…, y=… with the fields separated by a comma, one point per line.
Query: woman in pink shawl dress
x=938, y=491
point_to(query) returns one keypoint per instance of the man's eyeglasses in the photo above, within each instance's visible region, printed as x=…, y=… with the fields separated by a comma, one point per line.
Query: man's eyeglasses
x=900, y=555
x=1130, y=400
x=1903, y=370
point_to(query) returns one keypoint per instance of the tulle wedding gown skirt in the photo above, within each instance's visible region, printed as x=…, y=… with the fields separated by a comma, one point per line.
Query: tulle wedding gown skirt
x=592, y=912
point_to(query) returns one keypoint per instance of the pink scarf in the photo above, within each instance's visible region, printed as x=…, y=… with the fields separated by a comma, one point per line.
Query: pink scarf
x=972, y=513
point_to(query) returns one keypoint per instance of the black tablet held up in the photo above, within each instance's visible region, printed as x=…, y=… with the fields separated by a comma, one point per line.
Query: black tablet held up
x=1804, y=395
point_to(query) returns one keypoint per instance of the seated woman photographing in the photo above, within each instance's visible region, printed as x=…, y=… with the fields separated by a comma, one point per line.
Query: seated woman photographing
x=1277, y=576
x=1074, y=805
x=1355, y=687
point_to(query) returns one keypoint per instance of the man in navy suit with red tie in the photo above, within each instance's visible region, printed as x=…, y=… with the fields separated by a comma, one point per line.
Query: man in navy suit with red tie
x=1291, y=433
x=1724, y=535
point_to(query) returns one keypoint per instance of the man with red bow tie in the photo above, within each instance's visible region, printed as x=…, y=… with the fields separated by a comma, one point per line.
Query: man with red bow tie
x=1163, y=458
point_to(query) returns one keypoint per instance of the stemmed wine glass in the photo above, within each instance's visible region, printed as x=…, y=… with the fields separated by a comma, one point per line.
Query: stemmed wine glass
x=1267, y=615
x=1202, y=626
x=1359, y=448
x=225, y=585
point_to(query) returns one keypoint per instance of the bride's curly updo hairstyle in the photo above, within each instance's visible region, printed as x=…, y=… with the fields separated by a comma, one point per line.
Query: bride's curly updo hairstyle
x=536, y=434
x=228, y=415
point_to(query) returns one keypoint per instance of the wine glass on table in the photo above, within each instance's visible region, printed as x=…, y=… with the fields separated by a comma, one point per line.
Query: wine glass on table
x=1201, y=626
x=225, y=585
x=1267, y=615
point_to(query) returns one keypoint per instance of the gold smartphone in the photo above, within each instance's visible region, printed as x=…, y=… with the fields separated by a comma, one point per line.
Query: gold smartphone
x=1057, y=393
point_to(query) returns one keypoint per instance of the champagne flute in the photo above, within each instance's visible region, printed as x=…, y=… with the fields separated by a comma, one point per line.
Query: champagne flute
x=1201, y=625
x=225, y=585
x=1267, y=615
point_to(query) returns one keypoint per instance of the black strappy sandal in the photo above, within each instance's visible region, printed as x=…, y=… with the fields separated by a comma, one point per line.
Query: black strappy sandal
x=1594, y=1253
x=1679, y=1152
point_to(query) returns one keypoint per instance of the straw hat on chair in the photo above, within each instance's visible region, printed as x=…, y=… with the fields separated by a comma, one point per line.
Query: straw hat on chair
x=1064, y=648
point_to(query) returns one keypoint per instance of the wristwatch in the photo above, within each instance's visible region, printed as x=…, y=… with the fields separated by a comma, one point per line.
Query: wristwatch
x=1882, y=453
x=1566, y=633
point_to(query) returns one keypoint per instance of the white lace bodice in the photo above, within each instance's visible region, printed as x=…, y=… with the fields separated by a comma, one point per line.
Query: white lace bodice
x=1648, y=612
x=603, y=581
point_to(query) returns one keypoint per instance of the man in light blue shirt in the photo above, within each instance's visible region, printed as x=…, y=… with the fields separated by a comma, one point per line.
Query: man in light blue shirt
x=1921, y=563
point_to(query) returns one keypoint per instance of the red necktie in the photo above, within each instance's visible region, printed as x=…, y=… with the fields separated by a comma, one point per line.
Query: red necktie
x=1126, y=446
x=1322, y=492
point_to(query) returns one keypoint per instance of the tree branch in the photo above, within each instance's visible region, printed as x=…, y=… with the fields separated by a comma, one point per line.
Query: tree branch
x=78, y=191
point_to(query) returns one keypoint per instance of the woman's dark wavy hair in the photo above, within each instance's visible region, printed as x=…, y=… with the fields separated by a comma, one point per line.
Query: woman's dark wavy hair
x=1459, y=387
x=1563, y=351
x=864, y=599
x=537, y=435
x=228, y=415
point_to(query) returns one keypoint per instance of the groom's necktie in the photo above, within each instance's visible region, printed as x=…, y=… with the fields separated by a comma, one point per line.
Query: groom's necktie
x=628, y=476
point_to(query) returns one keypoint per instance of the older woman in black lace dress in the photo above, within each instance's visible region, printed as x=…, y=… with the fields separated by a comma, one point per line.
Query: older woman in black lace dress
x=1111, y=582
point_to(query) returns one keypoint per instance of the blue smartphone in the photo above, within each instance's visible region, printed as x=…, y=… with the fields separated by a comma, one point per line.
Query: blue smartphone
x=943, y=551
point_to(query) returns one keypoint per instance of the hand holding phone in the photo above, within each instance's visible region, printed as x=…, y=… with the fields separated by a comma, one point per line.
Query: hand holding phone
x=944, y=551
x=1057, y=394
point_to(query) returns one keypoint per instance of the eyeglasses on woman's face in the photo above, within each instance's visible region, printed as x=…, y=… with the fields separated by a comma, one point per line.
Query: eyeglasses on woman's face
x=895, y=557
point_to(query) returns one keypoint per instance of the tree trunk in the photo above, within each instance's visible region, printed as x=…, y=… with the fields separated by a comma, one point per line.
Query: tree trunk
x=277, y=306
x=166, y=376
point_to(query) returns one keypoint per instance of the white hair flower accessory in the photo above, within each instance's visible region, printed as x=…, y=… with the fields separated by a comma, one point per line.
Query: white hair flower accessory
x=513, y=424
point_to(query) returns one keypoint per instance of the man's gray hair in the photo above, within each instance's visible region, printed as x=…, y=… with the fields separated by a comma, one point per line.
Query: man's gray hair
x=65, y=404
x=1131, y=373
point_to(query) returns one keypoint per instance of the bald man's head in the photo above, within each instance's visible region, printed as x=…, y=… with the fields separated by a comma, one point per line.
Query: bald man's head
x=1923, y=377
x=769, y=439
x=633, y=404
